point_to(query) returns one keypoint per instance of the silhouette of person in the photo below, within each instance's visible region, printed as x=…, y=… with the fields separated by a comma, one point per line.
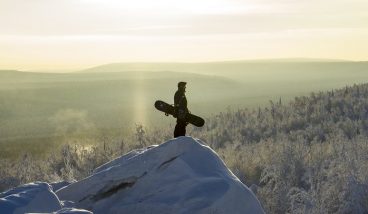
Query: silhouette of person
x=181, y=110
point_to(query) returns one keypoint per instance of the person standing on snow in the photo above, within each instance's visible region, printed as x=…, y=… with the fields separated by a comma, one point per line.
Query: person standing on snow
x=181, y=110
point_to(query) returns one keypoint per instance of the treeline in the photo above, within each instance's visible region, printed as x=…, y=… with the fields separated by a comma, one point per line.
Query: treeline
x=305, y=156
x=311, y=119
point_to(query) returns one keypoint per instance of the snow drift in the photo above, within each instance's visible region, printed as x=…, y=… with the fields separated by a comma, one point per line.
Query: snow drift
x=182, y=175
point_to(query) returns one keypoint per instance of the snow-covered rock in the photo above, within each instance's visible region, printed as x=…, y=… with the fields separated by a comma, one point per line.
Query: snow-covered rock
x=35, y=197
x=32, y=197
x=182, y=175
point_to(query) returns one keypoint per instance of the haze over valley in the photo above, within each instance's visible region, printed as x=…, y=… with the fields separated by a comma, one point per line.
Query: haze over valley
x=42, y=107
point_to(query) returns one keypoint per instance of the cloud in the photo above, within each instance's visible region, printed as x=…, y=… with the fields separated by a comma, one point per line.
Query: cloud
x=80, y=31
x=41, y=17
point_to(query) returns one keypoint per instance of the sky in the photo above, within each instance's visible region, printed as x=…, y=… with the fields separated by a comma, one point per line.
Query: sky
x=77, y=34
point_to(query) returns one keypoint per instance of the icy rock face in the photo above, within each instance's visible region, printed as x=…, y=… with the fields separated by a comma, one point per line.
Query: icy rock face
x=182, y=175
x=32, y=197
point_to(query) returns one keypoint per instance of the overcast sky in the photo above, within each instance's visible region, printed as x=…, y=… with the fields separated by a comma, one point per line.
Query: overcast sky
x=75, y=34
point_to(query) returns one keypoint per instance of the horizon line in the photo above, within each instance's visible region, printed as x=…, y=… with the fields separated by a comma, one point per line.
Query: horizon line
x=274, y=60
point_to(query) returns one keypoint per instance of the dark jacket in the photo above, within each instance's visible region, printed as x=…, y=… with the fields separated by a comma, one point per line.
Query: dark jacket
x=180, y=105
x=180, y=101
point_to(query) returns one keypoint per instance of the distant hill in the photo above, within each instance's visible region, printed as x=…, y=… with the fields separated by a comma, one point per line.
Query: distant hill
x=181, y=66
x=4, y=73
x=12, y=76
x=297, y=60
x=232, y=66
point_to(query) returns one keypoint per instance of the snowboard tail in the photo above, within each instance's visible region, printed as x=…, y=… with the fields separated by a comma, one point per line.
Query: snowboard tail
x=169, y=109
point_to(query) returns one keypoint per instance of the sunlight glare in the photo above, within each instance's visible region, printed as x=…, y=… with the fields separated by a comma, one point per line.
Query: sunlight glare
x=170, y=7
x=140, y=102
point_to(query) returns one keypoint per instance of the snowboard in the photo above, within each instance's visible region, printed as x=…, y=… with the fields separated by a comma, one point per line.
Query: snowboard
x=169, y=109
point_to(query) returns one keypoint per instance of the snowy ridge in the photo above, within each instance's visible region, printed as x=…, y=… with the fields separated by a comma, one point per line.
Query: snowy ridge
x=182, y=175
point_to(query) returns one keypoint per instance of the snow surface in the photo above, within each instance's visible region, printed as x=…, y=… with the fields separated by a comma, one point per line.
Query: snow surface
x=32, y=197
x=181, y=176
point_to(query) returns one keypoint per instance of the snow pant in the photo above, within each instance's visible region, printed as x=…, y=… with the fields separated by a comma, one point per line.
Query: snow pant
x=180, y=128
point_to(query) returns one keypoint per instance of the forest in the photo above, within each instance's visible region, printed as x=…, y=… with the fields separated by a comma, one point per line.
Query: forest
x=308, y=155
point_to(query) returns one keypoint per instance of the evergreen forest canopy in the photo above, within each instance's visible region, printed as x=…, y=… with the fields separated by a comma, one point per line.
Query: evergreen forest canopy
x=303, y=156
